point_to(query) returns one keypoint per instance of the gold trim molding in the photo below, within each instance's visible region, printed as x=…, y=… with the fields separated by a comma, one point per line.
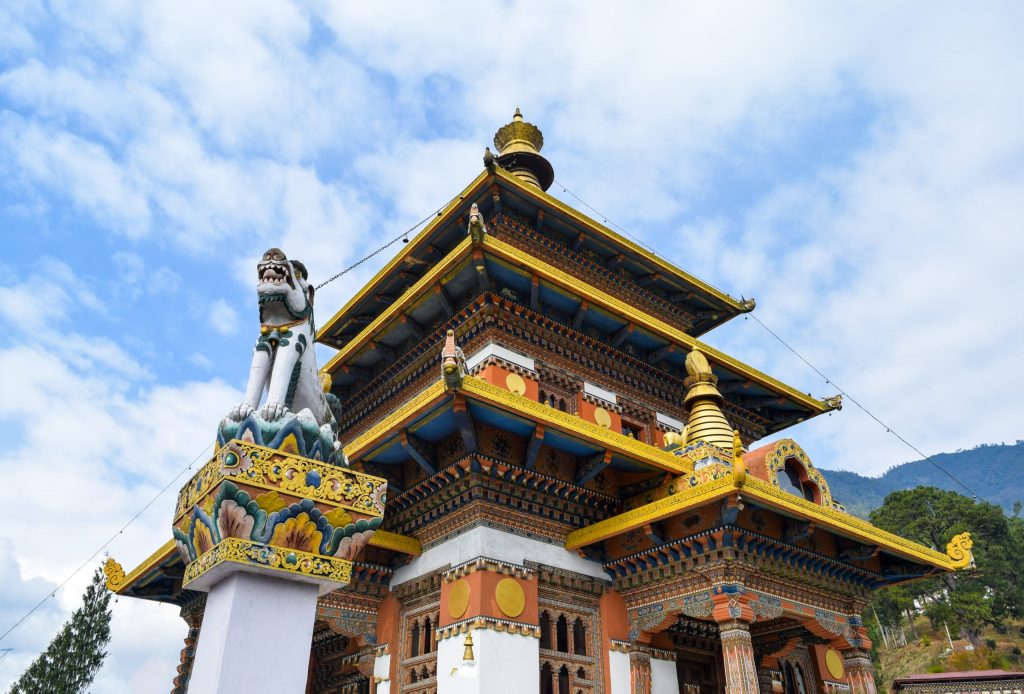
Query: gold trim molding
x=254, y=555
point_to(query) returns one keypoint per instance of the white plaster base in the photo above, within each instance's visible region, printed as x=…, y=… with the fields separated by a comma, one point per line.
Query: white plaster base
x=495, y=544
x=618, y=672
x=256, y=636
x=505, y=664
x=382, y=672
x=664, y=679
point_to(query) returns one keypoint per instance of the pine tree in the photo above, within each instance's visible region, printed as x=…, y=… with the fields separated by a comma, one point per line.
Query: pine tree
x=71, y=661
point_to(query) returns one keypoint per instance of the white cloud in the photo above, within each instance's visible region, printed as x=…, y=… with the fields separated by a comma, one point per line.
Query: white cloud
x=103, y=440
x=225, y=129
x=222, y=317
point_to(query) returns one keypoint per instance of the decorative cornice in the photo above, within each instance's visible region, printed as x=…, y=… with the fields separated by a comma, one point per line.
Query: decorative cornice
x=642, y=319
x=275, y=470
x=253, y=555
x=487, y=564
x=574, y=424
x=772, y=496
x=396, y=542
x=482, y=622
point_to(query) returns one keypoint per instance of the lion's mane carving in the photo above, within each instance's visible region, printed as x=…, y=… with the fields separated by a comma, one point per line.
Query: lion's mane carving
x=297, y=415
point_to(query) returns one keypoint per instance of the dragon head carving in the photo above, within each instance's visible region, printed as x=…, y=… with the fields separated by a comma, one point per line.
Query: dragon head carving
x=283, y=288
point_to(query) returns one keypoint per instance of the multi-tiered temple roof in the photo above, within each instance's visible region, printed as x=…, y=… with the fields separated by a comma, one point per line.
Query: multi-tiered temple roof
x=521, y=368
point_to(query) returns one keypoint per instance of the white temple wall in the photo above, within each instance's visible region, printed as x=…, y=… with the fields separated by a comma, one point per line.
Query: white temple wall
x=504, y=664
x=382, y=672
x=664, y=679
x=618, y=672
x=495, y=544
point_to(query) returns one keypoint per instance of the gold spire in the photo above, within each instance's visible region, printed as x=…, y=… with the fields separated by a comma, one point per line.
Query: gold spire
x=519, y=144
x=705, y=420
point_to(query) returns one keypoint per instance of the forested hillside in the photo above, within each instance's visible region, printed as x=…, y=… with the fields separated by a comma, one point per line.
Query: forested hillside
x=994, y=471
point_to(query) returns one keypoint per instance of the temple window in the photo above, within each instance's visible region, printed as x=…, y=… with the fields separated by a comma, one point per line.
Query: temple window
x=562, y=634
x=546, y=676
x=579, y=637
x=414, y=639
x=545, y=630
x=563, y=680
x=633, y=431
x=427, y=637
x=793, y=479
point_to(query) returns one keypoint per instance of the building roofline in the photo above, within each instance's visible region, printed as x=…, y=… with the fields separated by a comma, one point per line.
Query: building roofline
x=768, y=495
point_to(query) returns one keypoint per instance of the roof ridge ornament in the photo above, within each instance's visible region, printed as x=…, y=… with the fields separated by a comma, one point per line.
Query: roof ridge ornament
x=703, y=403
x=519, y=144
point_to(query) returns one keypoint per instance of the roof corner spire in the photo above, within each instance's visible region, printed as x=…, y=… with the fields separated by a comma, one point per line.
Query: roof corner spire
x=703, y=403
x=519, y=144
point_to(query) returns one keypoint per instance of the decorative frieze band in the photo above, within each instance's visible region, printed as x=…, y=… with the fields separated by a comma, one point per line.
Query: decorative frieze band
x=629, y=647
x=487, y=564
x=493, y=623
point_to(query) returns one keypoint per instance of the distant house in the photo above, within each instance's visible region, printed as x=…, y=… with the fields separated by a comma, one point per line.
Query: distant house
x=971, y=682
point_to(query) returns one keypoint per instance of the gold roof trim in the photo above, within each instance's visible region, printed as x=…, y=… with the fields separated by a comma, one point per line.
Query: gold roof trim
x=556, y=419
x=429, y=279
x=396, y=542
x=118, y=582
x=956, y=557
x=617, y=238
x=574, y=286
x=413, y=245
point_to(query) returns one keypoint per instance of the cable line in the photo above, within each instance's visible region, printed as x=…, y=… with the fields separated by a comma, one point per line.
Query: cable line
x=53, y=593
x=801, y=357
x=106, y=544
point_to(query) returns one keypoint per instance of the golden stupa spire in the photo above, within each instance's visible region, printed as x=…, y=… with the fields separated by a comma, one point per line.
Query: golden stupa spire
x=705, y=420
x=519, y=144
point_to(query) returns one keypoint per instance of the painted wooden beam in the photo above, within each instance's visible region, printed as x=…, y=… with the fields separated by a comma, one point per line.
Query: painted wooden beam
x=533, y=449
x=581, y=313
x=622, y=334
x=446, y=300
x=414, y=448
x=661, y=353
x=592, y=466
x=464, y=420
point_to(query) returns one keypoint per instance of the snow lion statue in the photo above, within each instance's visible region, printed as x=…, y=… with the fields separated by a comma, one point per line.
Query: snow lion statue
x=298, y=416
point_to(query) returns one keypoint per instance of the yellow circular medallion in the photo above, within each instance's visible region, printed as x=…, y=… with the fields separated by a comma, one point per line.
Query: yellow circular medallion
x=834, y=663
x=510, y=596
x=458, y=598
x=602, y=417
x=516, y=384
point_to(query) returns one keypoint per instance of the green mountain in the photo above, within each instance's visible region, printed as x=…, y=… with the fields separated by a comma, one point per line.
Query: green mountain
x=994, y=471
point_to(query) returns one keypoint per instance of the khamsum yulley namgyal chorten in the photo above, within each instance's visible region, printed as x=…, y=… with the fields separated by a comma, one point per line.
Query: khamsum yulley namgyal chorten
x=576, y=502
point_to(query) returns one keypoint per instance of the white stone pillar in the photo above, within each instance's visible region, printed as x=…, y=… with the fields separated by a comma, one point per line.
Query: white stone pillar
x=503, y=663
x=664, y=679
x=382, y=673
x=618, y=672
x=256, y=635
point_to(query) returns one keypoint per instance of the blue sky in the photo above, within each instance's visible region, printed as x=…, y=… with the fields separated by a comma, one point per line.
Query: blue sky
x=857, y=169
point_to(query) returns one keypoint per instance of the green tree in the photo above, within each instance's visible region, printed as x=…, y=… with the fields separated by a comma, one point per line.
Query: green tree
x=970, y=599
x=71, y=661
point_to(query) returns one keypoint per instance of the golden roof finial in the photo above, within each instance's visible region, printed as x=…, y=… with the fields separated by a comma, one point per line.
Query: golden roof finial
x=519, y=144
x=705, y=419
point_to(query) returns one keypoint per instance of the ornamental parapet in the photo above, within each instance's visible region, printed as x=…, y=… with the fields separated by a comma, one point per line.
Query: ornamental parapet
x=262, y=510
